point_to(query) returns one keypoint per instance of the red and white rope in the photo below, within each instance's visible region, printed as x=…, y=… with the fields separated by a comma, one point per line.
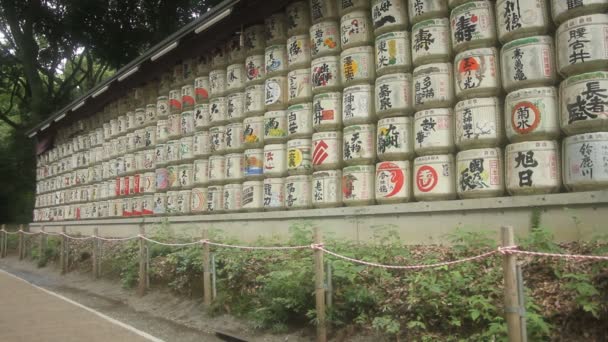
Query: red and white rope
x=577, y=257
x=277, y=248
x=170, y=244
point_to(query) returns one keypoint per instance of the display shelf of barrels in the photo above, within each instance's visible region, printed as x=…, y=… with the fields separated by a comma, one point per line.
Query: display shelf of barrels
x=330, y=103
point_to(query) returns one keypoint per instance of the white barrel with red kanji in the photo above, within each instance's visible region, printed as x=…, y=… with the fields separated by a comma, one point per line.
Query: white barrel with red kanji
x=198, y=200
x=358, y=185
x=533, y=168
x=532, y=114
x=274, y=193
x=215, y=199
x=325, y=74
x=326, y=150
x=255, y=70
x=393, y=181
x=478, y=123
x=480, y=173
x=252, y=199
x=434, y=178
x=477, y=73
x=583, y=106
x=584, y=166
x=147, y=205
x=327, y=188
x=202, y=87
x=275, y=160
x=232, y=197
x=433, y=131
x=528, y=62
x=327, y=111
x=298, y=192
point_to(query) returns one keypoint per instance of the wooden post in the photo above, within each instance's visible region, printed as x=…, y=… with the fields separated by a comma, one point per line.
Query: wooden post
x=2, y=238
x=206, y=270
x=512, y=309
x=63, y=255
x=141, y=288
x=95, y=253
x=42, y=246
x=319, y=288
x=20, y=245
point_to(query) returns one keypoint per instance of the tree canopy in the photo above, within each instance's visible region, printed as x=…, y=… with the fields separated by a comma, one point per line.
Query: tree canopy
x=51, y=51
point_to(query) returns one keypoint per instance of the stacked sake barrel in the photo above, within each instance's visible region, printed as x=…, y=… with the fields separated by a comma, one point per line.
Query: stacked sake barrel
x=433, y=99
x=582, y=59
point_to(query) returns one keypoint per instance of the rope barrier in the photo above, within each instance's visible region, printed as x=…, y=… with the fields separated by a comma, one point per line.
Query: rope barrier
x=170, y=244
x=565, y=256
x=277, y=248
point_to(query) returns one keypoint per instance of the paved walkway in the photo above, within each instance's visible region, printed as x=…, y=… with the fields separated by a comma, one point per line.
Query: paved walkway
x=29, y=313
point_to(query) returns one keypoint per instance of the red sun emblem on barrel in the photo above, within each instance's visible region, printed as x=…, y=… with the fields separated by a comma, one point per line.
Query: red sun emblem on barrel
x=397, y=178
x=426, y=178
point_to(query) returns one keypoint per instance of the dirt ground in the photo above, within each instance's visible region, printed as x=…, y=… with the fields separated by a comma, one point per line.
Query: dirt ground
x=158, y=313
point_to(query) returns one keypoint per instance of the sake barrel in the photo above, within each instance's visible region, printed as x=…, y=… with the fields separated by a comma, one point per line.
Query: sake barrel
x=298, y=52
x=358, y=105
x=148, y=182
x=325, y=74
x=327, y=188
x=162, y=179
x=275, y=93
x=173, y=151
x=129, y=163
x=323, y=10
x=201, y=146
x=255, y=69
x=162, y=107
x=359, y=144
x=356, y=29
x=581, y=45
x=252, y=198
x=349, y=6
x=420, y=10
x=149, y=137
x=358, y=65
x=299, y=86
x=174, y=127
x=299, y=121
x=254, y=39
x=585, y=156
x=217, y=141
x=472, y=26
x=433, y=86
x=235, y=167
x=434, y=178
x=183, y=202
x=160, y=203
x=276, y=28
x=582, y=103
x=234, y=137
x=393, y=53
x=298, y=17
x=528, y=62
x=518, y=19
x=433, y=131
x=299, y=159
x=160, y=154
x=217, y=169
x=200, y=172
x=254, y=163
x=127, y=208
x=122, y=129
x=175, y=101
x=358, y=185
x=188, y=96
x=478, y=123
x=393, y=95
x=173, y=177
x=147, y=205
x=217, y=83
x=254, y=100
x=275, y=60
x=480, y=173
x=532, y=114
x=275, y=160
x=326, y=150
x=477, y=73
x=235, y=107
x=389, y=15
x=532, y=168
x=393, y=183
x=324, y=39
x=275, y=126
x=327, y=111
x=186, y=148
x=198, y=200
x=185, y=175
x=253, y=132
x=394, y=139
x=298, y=192
x=274, y=193
x=219, y=56
x=218, y=110
x=162, y=131
x=215, y=199
x=202, y=87
x=235, y=77
x=562, y=10
x=232, y=197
